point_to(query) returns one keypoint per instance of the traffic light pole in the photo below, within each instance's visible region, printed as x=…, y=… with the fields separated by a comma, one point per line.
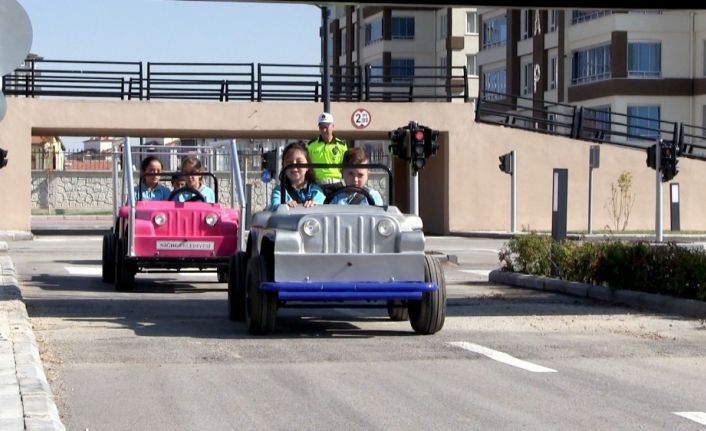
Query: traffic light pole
x=658, y=199
x=414, y=192
x=513, y=193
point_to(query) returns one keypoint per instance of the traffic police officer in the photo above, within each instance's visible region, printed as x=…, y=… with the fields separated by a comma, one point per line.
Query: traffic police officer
x=327, y=148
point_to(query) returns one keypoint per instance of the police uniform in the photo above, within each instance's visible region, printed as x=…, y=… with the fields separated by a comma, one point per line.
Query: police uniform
x=321, y=152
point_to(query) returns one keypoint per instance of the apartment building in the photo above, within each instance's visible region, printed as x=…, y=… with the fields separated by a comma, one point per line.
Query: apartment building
x=647, y=64
x=402, y=46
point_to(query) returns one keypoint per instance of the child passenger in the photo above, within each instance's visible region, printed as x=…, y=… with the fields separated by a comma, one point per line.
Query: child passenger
x=300, y=187
x=356, y=177
x=192, y=165
x=150, y=188
x=178, y=182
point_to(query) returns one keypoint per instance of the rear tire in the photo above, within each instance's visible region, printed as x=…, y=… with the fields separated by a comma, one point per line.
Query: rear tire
x=397, y=311
x=260, y=306
x=222, y=274
x=236, y=286
x=124, y=271
x=108, y=262
x=427, y=316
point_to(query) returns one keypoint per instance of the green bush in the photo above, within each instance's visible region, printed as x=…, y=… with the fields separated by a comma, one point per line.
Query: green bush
x=664, y=269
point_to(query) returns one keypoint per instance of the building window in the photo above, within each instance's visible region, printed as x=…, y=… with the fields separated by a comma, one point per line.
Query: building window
x=645, y=59
x=527, y=79
x=704, y=55
x=495, y=32
x=527, y=23
x=375, y=72
x=551, y=121
x=343, y=41
x=471, y=23
x=472, y=65
x=442, y=66
x=402, y=69
x=553, y=72
x=643, y=121
x=553, y=20
x=373, y=32
x=583, y=15
x=596, y=122
x=592, y=64
x=494, y=81
x=442, y=26
x=402, y=27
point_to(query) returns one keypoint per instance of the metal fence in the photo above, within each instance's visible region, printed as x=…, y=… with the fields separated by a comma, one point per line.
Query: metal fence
x=234, y=81
x=591, y=124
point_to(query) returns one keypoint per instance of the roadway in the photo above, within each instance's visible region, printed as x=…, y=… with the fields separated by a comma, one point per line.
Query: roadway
x=166, y=356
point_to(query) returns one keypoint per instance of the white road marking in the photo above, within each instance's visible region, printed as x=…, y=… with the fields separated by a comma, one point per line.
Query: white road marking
x=89, y=270
x=84, y=270
x=698, y=417
x=502, y=357
x=481, y=272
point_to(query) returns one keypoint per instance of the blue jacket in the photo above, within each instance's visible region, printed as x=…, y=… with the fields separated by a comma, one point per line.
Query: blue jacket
x=159, y=193
x=310, y=192
x=357, y=198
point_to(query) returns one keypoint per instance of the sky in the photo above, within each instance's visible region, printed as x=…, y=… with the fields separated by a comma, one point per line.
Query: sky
x=174, y=31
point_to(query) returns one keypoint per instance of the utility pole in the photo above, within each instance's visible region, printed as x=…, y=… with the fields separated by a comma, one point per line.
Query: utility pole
x=324, y=56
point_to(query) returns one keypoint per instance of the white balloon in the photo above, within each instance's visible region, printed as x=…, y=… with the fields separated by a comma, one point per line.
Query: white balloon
x=15, y=35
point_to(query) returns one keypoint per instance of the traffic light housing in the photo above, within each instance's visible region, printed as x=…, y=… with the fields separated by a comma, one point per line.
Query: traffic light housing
x=669, y=161
x=430, y=144
x=397, y=137
x=652, y=156
x=3, y=158
x=417, y=149
x=269, y=162
x=506, y=163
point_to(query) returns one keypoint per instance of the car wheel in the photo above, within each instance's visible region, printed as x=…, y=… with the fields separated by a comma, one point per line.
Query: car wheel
x=427, y=316
x=108, y=267
x=397, y=311
x=236, y=287
x=222, y=274
x=260, y=306
x=124, y=273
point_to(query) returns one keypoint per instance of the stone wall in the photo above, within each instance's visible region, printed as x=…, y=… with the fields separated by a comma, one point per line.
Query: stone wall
x=92, y=191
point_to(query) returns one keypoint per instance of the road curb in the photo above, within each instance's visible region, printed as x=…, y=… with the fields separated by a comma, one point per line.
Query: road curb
x=37, y=410
x=630, y=298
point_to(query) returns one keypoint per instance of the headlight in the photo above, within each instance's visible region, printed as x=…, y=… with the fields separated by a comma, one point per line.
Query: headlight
x=211, y=219
x=386, y=227
x=160, y=219
x=311, y=227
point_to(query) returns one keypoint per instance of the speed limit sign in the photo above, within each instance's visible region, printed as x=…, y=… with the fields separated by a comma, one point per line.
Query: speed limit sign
x=361, y=118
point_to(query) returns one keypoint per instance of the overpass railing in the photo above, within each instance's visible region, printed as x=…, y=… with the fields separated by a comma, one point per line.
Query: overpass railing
x=234, y=81
x=591, y=124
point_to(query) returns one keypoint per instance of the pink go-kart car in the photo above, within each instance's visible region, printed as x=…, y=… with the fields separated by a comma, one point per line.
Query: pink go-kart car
x=169, y=235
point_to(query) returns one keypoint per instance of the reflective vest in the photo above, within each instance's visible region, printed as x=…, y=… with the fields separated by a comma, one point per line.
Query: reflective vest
x=321, y=152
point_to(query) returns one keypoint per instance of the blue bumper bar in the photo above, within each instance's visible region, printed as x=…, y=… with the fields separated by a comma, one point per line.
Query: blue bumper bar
x=348, y=291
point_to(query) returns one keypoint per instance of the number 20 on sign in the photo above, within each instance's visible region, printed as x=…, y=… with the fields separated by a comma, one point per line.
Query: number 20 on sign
x=361, y=118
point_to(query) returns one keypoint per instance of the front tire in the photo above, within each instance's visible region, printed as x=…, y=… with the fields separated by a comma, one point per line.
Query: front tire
x=260, y=306
x=124, y=272
x=397, y=311
x=427, y=316
x=236, y=286
x=108, y=262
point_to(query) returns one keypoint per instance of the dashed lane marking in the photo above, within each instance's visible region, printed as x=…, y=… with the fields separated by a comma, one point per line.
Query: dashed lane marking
x=97, y=271
x=698, y=417
x=502, y=357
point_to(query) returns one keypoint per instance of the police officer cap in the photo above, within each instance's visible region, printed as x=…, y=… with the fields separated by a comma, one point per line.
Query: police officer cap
x=325, y=118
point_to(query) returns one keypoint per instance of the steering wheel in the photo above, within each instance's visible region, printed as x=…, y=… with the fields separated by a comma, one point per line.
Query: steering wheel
x=197, y=196
x=348, y=190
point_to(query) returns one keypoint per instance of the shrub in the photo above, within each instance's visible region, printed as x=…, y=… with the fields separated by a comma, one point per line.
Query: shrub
x=660, y=268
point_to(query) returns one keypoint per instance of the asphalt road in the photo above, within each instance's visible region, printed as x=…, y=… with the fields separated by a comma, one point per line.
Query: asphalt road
x=166, y=357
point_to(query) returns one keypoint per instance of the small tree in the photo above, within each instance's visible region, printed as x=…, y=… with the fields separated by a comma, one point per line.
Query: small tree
x=621, y=201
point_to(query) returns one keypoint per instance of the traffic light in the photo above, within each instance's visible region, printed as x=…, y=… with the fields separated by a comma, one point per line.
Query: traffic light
x=417, y=149
x=669, y=161
x=652, y=156
x=269, y=162
x=430, y=145
x=3, y=158
x=506, y=163
x=397, y=137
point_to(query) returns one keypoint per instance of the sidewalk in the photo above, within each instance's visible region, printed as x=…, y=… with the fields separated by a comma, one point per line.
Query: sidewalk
x=26, y=400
